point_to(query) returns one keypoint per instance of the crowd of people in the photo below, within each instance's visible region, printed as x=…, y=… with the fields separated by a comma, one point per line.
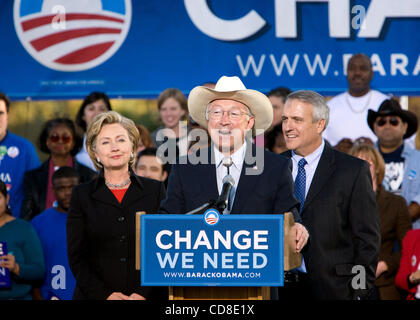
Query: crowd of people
x=348, y=169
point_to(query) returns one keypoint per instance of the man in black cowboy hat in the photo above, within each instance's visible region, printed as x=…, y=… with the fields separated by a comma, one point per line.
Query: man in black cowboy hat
x=392, y=125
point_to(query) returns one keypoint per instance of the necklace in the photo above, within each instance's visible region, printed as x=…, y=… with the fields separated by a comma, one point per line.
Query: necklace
x=117, y=185
x=364, y=107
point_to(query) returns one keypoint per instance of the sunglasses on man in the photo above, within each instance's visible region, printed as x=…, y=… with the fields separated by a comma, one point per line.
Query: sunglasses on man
x=393, y=121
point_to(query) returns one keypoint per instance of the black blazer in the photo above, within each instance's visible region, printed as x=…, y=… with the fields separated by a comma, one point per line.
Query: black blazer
x=341, y=216
x=35, y=183
x=101, y=238
x=271, y=191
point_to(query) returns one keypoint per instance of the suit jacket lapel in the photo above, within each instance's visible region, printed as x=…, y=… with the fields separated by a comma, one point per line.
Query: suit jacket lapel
x=135, y=192
x=204, y=179
x=103, y=194
x=245, y=187
x=247, y=183
x=325, y=169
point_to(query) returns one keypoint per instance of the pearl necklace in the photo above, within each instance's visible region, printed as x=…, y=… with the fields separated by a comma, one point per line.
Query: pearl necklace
x=364, y=107
x=117, y=185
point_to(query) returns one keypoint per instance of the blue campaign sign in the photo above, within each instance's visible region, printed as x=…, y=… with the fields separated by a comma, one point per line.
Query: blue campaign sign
x=61, y=49
x=212, y=250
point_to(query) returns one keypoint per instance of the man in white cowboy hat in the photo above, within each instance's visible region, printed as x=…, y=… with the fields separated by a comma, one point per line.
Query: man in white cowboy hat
x=392, y=125
x=262, y=184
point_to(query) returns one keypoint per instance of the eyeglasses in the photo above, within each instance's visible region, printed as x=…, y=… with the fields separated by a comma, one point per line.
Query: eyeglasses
x=56, y=137
x=232, y=115
x=392, y=121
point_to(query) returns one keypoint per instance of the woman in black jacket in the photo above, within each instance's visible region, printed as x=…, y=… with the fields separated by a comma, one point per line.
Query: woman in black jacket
x=101, y=218
x=58, y=138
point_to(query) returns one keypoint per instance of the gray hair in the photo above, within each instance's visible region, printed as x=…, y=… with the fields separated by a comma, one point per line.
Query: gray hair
x=321, y=109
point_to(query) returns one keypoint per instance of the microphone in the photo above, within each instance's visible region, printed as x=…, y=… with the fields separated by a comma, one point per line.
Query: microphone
x=228, y=183
x=205, y=206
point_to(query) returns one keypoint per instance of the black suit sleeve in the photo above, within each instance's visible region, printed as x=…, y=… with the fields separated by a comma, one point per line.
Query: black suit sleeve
x=162, y=195
x=29, y=206
x=285, y=200
x=175, y=200
x=78, y=252
x=364, y=220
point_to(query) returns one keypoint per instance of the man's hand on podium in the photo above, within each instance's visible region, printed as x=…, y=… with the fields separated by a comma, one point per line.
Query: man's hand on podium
x=301, y=236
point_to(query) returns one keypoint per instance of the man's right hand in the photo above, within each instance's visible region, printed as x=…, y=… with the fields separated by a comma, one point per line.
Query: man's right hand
x=121, y=296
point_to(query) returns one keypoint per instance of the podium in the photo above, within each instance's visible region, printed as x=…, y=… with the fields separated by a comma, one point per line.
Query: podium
x=290, y=259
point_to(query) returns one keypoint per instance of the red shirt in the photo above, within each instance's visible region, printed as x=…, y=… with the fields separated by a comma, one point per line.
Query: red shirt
x=409, y=263
x=119, y=193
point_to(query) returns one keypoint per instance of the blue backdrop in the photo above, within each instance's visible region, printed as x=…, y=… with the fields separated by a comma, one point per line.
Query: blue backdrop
x=151, y=45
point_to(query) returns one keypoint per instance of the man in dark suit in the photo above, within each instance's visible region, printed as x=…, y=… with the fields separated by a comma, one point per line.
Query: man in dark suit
x=338, y=204
x=262, y=180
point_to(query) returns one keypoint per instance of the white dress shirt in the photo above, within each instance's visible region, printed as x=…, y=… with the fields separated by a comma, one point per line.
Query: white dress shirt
x=310, y=168
x=235, y=169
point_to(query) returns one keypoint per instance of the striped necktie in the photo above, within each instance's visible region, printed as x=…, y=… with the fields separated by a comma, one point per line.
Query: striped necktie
x=300, y=182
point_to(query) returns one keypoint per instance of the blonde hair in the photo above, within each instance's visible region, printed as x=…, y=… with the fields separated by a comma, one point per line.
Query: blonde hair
x=373, y=154
x=96, y=126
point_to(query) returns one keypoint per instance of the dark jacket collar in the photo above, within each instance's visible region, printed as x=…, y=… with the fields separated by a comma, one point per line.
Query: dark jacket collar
x=102, y=193
x=323, y=172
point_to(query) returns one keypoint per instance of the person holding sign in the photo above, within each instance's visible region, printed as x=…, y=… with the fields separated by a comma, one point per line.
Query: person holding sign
x=261, y=181
x=24, y=259
x=101, y=217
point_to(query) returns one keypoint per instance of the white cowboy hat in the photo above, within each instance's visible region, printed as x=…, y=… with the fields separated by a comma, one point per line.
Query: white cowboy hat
x=230, y=88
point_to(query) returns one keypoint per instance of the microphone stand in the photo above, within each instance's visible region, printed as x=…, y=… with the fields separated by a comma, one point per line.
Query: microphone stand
x=205, y=206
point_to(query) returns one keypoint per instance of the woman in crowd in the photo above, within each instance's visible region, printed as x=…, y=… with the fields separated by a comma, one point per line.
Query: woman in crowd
x=25, y=260
x=145, y=139
x=275, y=140
x=94, y=104
x=408, y=276
x=101, y=218
x=58, y=138
x=395, y=222
x=173, y=111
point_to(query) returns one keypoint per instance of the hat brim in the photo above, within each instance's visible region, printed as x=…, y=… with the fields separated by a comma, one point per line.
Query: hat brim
x=257, y=102
x=406, y=116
